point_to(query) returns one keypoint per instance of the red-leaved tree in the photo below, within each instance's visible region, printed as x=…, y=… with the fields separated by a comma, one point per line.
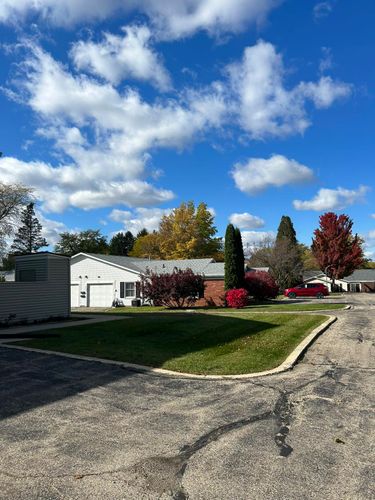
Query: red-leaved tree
x=176, y=289
x=334, y=246
x=261, y=285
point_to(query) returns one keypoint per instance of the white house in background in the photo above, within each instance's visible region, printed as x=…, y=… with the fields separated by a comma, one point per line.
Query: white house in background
x=362, y=280
x=97, y=280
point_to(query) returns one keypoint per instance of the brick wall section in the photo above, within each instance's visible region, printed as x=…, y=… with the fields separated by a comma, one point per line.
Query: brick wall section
x=368, y=287
x=213, y=293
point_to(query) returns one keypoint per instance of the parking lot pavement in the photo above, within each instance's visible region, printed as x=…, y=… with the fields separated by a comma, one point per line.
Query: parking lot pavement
x=82, y=430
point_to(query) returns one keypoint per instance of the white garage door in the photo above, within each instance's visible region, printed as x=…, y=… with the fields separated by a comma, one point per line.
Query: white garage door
x=74, y=295
x=100, y=295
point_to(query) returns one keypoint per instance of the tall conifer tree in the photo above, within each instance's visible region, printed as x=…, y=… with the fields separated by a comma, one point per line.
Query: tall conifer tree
x=286, y=231
x=29, y=237
x=240, y=257
x=233, y=258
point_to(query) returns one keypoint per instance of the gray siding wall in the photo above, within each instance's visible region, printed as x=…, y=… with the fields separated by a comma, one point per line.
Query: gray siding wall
x=37, y=300
x=39, y=265
x=32, y=301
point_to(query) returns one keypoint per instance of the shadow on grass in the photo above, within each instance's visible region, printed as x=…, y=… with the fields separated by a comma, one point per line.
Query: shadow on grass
x=153, y=339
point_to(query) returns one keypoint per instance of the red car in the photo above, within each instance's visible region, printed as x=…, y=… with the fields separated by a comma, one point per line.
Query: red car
x=317, y=290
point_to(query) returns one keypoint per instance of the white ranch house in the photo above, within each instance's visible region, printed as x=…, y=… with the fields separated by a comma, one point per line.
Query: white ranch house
x=97, y=280
x=362, y=280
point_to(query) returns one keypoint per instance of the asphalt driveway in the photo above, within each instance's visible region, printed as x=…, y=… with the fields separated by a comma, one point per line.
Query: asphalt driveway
x=82, y=430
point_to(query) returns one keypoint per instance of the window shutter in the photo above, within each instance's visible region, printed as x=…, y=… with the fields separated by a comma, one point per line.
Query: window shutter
x=137, y=289
x=122, y=290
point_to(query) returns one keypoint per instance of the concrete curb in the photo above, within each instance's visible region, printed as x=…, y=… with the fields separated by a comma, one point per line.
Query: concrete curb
x=288, y=364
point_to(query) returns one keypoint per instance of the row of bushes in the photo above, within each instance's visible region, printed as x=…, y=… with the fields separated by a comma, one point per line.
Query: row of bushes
x=183, y=288
x=258, y=285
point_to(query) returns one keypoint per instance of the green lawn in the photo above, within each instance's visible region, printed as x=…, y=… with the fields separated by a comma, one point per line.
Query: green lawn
x=269, y=307
x=209, y=343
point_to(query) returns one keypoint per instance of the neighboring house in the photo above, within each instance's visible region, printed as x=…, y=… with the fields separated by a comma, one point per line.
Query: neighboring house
x=98, y=280
x=362, y=280
x=41, y=289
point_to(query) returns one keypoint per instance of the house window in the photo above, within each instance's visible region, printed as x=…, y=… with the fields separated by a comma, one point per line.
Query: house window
x=127, y=290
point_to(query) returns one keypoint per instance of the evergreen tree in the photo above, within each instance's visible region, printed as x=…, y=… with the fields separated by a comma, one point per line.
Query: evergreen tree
x=240, y=256
x=287, y=262
x=28, y=238
x=142, y=232
x=121, y=244
x=230, y=259
x=286, y=231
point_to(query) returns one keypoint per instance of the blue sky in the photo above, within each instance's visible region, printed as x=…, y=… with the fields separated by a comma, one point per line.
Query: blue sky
x=259, y=108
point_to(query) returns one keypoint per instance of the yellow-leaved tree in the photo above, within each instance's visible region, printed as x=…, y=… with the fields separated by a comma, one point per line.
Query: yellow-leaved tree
x=147, y=247
x=188, y=232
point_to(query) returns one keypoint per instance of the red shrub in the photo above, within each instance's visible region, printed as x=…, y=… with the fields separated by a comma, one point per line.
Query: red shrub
x=261, y=285
x=176, y=289
x=237, y=298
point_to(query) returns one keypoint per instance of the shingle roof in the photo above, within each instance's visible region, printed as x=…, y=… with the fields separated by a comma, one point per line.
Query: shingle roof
x=207, y=266
x=167, y=266
x=141, y=265
x=361, y=275
x=214, y=270
x=309, y=274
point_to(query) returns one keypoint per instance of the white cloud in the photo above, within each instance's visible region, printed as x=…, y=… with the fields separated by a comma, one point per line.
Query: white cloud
x=324, y=92
x=103, y=137
x=170, y=20
x=258, y=174
x=61, y=187
x=131, y=193
x=332, y=199
x=246, y=221
x=373, y=216
x=148, y=218
x=326, y=61
x=116, y=58
x=267, y=107
x=51, y=229
x=252, y=239
x=369, y=245
x=184, y=17
x=111, y=167
x=322, y=9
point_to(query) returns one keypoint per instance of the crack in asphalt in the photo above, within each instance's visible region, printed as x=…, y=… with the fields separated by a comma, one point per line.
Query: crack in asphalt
x=283, y=414
x=164, y=474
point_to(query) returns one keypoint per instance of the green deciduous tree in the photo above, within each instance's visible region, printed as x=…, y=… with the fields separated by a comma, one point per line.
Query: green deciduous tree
x=28, y=238
x=89, y=241
x=147, y=247
x=121, y=243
